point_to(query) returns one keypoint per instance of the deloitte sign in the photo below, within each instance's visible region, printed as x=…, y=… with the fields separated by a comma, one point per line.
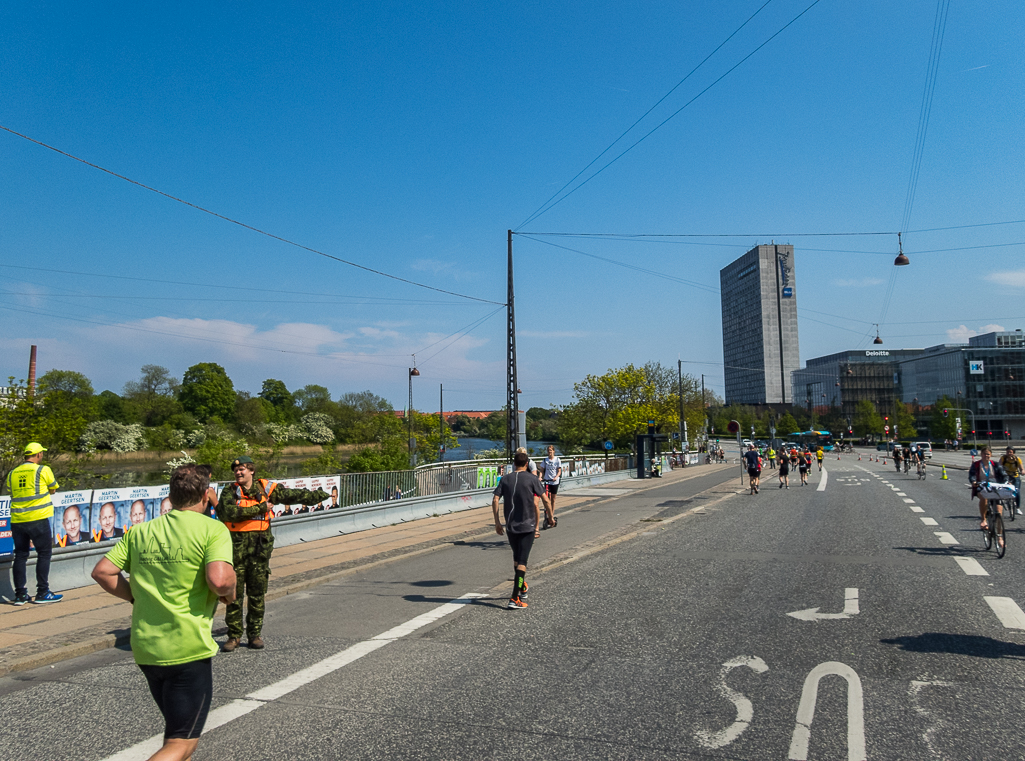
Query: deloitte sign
x=879, y=353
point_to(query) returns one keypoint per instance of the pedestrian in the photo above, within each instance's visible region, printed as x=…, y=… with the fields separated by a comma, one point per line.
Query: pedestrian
x=754, y=467
x=531, y=467
x=179, y=566
x=31, y=486
x=245, y=508
x=772, y=458
x=210, y=500
x=519, y=492
x=551, y=475
x=784, y=471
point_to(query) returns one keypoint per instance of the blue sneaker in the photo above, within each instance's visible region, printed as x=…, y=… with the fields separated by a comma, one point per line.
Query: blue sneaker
x=21, y=598
x=48, y=597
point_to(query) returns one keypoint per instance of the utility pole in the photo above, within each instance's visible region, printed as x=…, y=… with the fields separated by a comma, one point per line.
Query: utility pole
x=441, y=422
x=704, y=409
x=512, y=385
x=683, y=421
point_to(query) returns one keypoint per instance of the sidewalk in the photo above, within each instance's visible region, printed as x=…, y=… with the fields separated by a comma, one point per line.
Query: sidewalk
x=88, y=619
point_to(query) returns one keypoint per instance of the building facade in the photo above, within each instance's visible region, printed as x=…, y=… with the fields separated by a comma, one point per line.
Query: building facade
x=986, y=377
x=759, y=326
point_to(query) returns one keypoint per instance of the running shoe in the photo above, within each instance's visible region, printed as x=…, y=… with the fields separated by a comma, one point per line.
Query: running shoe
x=516, y=603
x=22, y=598
x=48, y=597
x=526, y=588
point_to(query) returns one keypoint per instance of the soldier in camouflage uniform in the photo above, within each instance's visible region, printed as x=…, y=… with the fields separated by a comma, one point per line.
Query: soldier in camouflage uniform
x=245, y=508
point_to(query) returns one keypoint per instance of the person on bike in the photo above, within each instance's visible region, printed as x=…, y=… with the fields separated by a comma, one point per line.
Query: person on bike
x=919, y=455
x=982, y=471
x=907, y=458
x=1011, y=463
x=896, y=458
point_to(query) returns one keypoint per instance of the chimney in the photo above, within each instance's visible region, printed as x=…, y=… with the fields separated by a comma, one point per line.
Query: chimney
x=32, y=373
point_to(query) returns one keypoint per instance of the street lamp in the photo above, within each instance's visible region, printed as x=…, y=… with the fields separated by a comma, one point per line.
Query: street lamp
x=901, y=260
x=413, y=373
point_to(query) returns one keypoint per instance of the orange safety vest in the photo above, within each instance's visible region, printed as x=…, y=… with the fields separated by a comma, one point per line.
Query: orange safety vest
x=253, y=524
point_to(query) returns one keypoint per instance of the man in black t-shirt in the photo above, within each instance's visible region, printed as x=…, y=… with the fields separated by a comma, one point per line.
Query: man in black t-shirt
x=754, y=467
x=519, y=492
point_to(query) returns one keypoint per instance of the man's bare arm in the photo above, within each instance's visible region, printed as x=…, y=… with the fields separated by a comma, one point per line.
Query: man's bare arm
x=112, y=581
x=220, y=577
x=494, y=509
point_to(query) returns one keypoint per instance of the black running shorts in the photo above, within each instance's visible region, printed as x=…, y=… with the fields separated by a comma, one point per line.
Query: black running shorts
x=183, y=694
x=754, y=472
x=521, y=544
x=553, y=489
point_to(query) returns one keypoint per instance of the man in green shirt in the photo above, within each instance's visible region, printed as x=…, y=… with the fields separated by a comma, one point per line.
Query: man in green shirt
x=180, y=566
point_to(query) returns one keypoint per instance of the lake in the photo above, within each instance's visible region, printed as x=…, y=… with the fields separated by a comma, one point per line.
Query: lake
x=468, y=447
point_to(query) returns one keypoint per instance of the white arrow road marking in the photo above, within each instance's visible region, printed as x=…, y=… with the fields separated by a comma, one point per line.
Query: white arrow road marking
x=823, y=480
x=946, y=537
x=242, y=706
x=971, y=566
x=806, y=712
x=935, y=722
x=1007, y=610
x=745, y=711
x=850, y=608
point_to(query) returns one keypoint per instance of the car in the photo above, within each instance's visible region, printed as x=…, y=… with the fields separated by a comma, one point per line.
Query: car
x=925, y=447
x=885, y=446
x=745, y=442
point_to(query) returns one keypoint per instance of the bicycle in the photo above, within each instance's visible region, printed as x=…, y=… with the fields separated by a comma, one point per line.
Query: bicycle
x=994, y=533
x=921, y=470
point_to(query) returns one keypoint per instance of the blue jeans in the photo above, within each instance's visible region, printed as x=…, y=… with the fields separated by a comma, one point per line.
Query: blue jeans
x=1017, y=485
x=40, y=535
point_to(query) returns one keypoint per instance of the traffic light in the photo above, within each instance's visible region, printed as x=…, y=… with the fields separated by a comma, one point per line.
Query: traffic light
x=946, y=412
x=886, y=418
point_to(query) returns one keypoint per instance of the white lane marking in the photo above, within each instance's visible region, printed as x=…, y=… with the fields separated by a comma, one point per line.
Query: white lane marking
x=945, y=537
x=823, y=480
x=238, y=708
x=929, y=521
x=745, y=711
x=1007, y=610
x=971, y=566
x=908, y=501
x=850, y=608
x=901, y=494
x=806, y=712
x=916, y=509
x=935, y=722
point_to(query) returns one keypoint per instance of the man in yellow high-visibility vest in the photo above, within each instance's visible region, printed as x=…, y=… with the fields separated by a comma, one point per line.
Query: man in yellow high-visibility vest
x=30, y=486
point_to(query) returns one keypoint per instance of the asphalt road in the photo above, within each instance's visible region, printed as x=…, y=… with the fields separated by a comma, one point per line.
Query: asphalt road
x=658, y=628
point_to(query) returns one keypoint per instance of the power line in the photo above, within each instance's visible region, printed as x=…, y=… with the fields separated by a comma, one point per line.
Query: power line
x=243, y=224
x=645, y=114
x=547, y=207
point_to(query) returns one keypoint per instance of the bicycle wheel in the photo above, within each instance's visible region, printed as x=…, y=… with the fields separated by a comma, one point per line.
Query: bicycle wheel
x=998, y=534
x=987, y=533
x=1009, y=508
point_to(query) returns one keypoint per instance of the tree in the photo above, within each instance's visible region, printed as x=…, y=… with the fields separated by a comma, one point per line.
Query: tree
x=427, y=432
x=866, y=421
x=207, y=392
x=944, y=427
x=152, y=399
x=110, y=406
x=65, y=405
x=283, y=409
x=786, y=425
x=904, y=421
x=65, y=382
x=313, y=398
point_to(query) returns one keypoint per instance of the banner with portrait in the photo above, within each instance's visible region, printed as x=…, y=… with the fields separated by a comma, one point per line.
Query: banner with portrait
x=330, y=484
x=71, y=518
x=114, y=511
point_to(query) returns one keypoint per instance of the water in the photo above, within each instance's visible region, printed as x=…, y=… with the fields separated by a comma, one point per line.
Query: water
x=468, y=447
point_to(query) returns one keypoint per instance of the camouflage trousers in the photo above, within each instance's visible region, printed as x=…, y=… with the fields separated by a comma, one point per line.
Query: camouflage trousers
x=251, y=551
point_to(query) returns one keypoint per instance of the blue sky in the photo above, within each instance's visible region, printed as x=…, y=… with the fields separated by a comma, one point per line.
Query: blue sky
x=408, y=137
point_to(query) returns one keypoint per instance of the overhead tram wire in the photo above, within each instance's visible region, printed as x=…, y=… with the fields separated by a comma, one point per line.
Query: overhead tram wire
x=251, y=228
x=549, y=205
x=645, y=114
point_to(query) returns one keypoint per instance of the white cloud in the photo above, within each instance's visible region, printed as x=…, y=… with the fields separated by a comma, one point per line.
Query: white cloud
x=858, y=282
x=962, y=333
x=1013, y=278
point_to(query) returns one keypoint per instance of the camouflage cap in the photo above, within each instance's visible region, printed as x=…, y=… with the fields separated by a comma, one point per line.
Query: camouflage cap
x=241, y=460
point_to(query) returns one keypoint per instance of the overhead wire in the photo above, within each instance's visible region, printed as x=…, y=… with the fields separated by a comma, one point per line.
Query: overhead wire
x=243, y=225
x=550, y=205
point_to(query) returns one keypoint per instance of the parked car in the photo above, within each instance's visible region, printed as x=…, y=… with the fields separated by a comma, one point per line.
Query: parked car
x=924, y=446
x=885, y=446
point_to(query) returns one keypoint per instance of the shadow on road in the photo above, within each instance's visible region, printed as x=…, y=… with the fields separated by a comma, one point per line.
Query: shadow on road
x=431, y=583
x=958, y=644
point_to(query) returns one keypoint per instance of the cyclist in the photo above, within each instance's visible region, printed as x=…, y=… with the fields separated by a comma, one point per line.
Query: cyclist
x=896, y=458
x=919, y=456
x=907, y=458
x=981, y=471
x=1011, y=463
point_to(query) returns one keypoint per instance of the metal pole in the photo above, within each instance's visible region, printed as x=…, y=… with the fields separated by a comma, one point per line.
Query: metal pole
x=704, y=411
x=441, y=421
x=409, y=421
x=779, y=318
x=512, y=384
x=683, y=424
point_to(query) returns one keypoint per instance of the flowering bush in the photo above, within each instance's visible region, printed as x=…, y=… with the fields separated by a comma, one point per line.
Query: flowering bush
x=106, y=434
x=317, y=428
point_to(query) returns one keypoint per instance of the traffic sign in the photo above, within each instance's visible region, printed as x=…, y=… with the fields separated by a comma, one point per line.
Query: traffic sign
x=886, y=428
x=733, y=426
x=608, y=446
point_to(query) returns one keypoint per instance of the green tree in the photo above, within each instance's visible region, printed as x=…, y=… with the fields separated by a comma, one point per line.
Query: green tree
x=390, y=454
x=65, y=406
x=283, y=409
x=152, y=399
x=356, y=415
x=207, y=392
x=313, y=398
x=427, y=432
x=618, y=405
x=944, y=427
x=904, y=421
x=110, y=406
x=786, y=425
x=867, y=421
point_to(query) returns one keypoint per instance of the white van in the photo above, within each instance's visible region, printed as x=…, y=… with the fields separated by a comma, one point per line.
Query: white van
x=925, y=447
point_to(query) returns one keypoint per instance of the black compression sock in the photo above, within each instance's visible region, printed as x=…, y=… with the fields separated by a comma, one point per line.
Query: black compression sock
x=520, y=582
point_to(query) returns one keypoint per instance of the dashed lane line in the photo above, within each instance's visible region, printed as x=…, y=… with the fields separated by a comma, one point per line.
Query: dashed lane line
x=946, y=537
x=916, y=509
x=929, y=521
x=971, y=566
x=1007, y=610
x=909, y=501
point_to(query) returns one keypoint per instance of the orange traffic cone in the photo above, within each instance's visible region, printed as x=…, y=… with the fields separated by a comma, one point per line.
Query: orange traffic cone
x=884, y=462
x=859, y=458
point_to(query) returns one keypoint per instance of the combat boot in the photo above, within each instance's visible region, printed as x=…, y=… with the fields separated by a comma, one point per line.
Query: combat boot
x=256, y=643
x=231, y=644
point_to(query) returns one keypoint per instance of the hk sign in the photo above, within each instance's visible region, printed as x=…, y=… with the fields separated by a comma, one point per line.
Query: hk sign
x=976, y=368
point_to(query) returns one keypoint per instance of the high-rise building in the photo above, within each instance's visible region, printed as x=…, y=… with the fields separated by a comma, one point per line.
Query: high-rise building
x=759, y=326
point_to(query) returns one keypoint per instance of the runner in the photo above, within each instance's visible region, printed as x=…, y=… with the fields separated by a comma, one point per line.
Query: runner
x=519, y=492
x=784, y=471
x=754, y=467
x=803, y=465
x=551, y=475
x=180, y=566
x=819, y=454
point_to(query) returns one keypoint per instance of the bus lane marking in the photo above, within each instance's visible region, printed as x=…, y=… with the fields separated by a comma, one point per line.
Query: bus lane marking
x=745, y=710
x=806, y=712
x=823, y=480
